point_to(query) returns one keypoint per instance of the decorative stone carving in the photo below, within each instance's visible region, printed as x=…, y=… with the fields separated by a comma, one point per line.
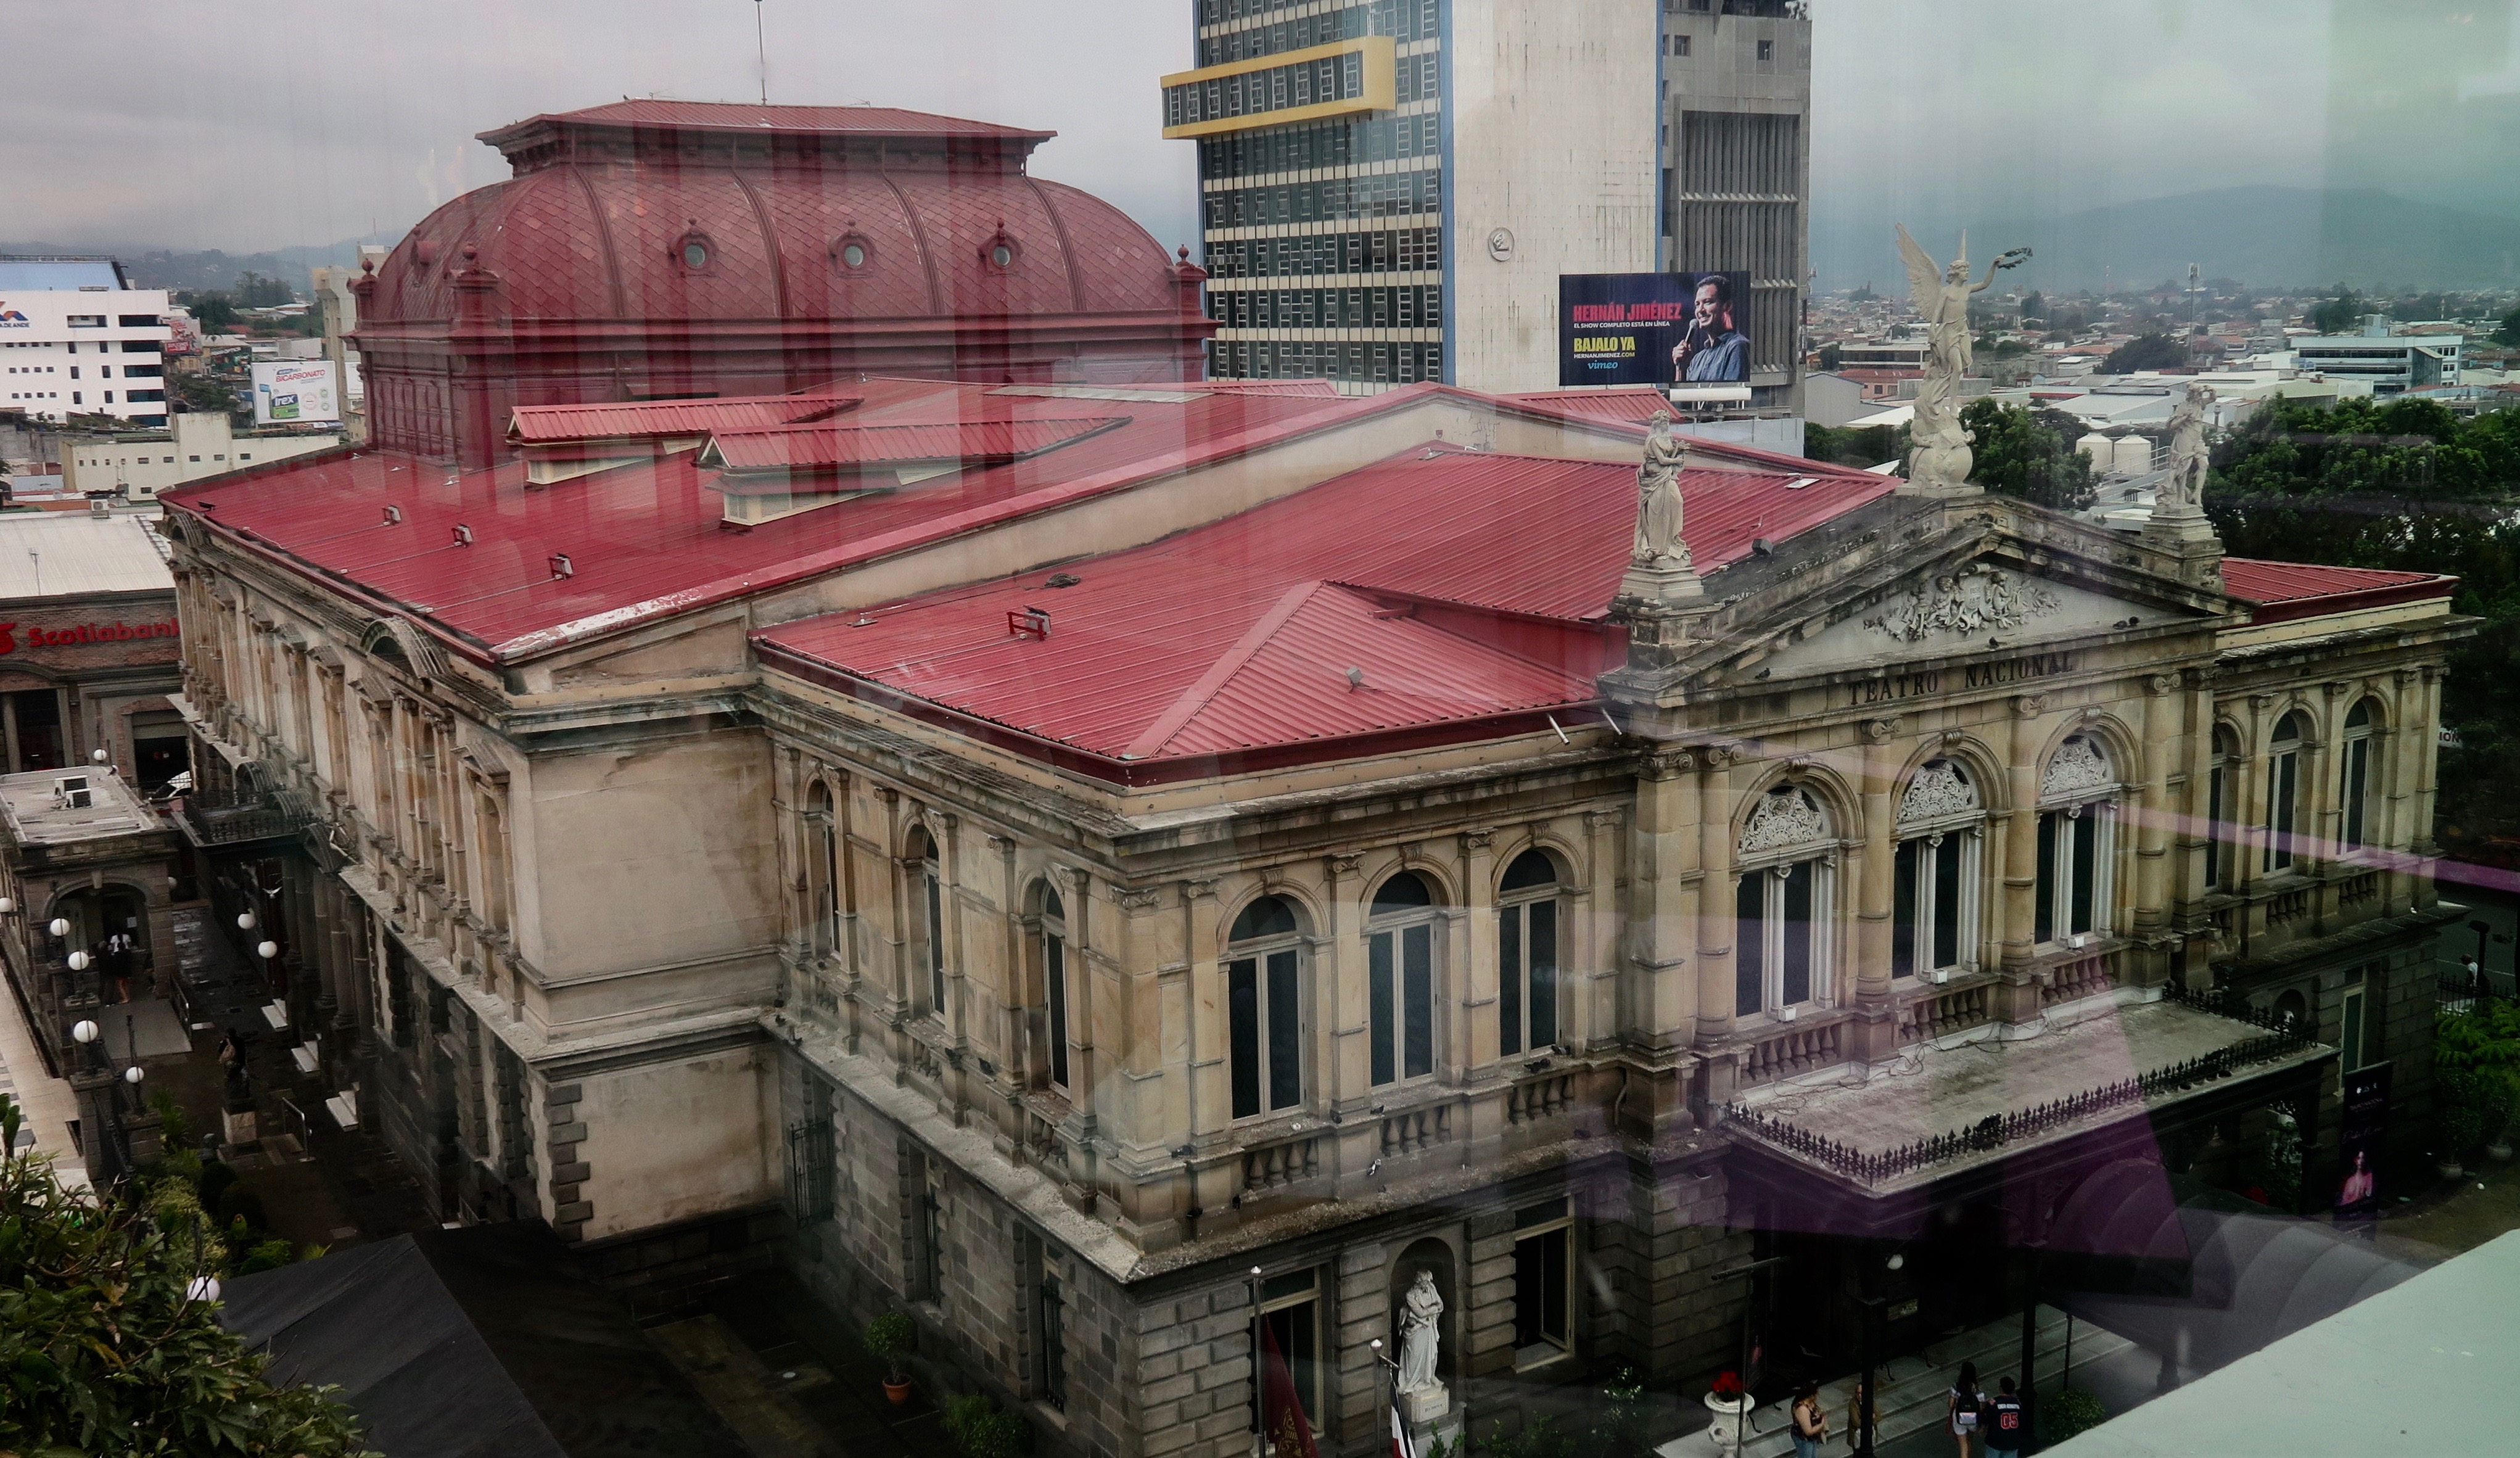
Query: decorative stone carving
x=1659, y=568
x=2078, y=765
x=1939, y=789
x=1421, y=1329
x=1139, y=900
x=1879, y=731
x=1975, y=600
x=1477, y=839
x=2183, y=493
x=1344, y=866
x=1941, y=459
x=1785, y=817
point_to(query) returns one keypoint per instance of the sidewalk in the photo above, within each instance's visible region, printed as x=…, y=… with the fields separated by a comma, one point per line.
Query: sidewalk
x=47, y=1104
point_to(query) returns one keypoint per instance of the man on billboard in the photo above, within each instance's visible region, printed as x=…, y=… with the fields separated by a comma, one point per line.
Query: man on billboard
x=1713, y=349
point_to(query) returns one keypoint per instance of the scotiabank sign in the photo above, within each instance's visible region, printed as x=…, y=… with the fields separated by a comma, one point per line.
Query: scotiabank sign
x=82, y=633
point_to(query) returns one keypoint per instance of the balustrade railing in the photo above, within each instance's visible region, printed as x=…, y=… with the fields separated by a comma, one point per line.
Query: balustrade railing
x=1535, y=1099
x=1418, y=1128
x=1931, y=1013
x=1274, y=1167
x=1795, y=1048
x=2078, y=979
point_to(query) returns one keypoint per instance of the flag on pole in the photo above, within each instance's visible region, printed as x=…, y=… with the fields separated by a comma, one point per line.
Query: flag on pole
x=1401, y=1446
x=1281, y=1410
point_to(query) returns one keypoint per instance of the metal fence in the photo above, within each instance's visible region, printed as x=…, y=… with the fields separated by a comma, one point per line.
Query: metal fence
x=236, y=817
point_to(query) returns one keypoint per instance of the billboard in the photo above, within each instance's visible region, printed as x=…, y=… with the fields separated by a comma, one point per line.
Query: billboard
x=1661, y=329
x=294, y=391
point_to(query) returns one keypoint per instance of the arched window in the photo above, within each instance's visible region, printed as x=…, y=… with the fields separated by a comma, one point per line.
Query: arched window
x=2283, y=792
x=1527, y=954
x=821, y=827
x=928, y=930
x=1934, y=912
x=1780, y=944
x=2356, y=786
x=2218, y=808
x=1054, y=983
x=1400, y=977
x=2077, y=841
x=1265, y=1008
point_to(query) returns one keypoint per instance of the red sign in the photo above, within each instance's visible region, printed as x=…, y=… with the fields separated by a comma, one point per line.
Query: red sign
x=85, y=632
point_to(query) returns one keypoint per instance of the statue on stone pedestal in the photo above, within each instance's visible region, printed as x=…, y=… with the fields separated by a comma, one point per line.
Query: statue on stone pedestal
x=1658, y=506
x=1418, y=1333
x=2189, y=455
x=1942, y=300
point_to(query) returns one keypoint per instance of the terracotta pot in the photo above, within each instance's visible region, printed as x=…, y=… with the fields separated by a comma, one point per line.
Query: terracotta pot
x=898, y=1392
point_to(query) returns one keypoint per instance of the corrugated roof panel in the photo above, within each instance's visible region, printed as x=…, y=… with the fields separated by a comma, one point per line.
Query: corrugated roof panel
x=544, y=425
x=768, y=448
x=2256, y=580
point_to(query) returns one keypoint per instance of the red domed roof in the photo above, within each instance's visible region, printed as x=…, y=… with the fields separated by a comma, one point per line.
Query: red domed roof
x=670, y=210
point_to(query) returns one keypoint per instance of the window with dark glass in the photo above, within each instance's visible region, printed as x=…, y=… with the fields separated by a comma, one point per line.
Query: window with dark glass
x=2356, y=789
x=2284, y=793
x=1527, y=954
x=1779, y=938
x=1053, y=980
x=932, y=922
x=1264, y=1009
x=1542, y=1287
x=1399, y=971
x=2218, y=809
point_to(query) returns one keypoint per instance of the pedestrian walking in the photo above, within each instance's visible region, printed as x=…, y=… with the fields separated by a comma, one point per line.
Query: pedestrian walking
x=2003, y=1422
x=1858, y=1412
x=1811, y=1422
x=1964, y=1407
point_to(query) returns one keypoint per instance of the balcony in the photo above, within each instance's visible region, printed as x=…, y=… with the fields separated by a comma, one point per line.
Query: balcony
x=225, y=819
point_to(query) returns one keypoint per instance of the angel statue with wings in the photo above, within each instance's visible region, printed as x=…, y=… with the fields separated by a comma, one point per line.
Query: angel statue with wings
x=1942, y=299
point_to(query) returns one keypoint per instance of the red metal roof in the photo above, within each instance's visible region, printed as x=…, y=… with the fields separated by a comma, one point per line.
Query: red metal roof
x=549, y=425
x=2284, y=590
x=775, y=447
x=647, y=539
x=1468, y=588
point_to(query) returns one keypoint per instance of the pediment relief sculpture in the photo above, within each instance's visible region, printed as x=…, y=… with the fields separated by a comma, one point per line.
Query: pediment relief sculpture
x=1939, y=789
x=2077, y=765
x=1784, y=817
x=1974, y=600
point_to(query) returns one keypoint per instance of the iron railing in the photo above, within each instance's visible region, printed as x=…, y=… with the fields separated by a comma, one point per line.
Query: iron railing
x=237, y=817
x=2281, y=1039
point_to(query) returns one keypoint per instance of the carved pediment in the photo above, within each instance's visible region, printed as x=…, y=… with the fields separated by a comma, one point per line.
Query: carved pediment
x=1969, y=608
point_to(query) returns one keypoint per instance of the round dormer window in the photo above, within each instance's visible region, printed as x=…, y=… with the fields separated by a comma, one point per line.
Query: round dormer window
x=853, y=255
x=696, y=254
x=1001, y=254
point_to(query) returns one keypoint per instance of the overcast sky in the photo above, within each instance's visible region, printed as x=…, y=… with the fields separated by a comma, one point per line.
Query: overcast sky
x=259, y=123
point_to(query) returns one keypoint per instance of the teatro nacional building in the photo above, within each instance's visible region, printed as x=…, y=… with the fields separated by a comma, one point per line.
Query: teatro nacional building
x=814, y=737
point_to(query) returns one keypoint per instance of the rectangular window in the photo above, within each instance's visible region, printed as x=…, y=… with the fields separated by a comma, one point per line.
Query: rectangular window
x=1291, y=1313
x=1766, y=50
x=2350, y=1046
x=2086, y=832
x=1750, y=945
x=1401, y=983
x=1680, y=45
x=1054, y=966
x=1797, y=959
x=86, y=321
x=137, y=321
x=1050, y=1337
x=1266, y=1032
x=2283, y=782
x=2043, y=916
x=2215, y=812
x=935, y=891
x=2358, y=784
x=2074, y=883
x=1527, y=977
x=1542, y=1289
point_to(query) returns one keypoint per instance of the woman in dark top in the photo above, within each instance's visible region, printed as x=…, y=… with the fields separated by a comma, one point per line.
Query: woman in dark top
x=1963, y=1407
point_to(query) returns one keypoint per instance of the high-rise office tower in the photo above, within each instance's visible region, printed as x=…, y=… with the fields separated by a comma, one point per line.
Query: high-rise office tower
x=1736, y=142
x=1391, y=188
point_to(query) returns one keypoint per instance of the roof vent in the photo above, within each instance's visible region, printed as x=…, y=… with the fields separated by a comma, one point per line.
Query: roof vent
x=1762, y=546
x=1027, y=622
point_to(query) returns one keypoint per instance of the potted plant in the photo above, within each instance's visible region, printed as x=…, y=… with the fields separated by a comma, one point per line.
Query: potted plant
x=982, y=1429
x=1731, y=1406
x=889, y=1339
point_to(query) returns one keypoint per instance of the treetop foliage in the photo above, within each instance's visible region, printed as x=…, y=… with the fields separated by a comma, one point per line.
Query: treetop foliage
x=2029, y=454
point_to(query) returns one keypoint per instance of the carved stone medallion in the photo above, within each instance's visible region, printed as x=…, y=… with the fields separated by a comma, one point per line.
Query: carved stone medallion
x=2077, y=765
x=1784, y=817
x=1939, y=789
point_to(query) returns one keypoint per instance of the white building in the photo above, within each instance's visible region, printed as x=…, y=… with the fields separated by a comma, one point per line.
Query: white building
x=2391, y=363
x=76, y=339
x=197, y=446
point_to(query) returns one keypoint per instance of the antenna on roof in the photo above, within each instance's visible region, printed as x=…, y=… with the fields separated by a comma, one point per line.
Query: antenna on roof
x=761, y=51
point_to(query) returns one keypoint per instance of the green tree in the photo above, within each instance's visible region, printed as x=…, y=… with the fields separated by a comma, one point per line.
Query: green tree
x=2510, y=332
x=204, y=395
x=217, y=313
x=2339, y=312
x=107, y=1350
x=2035, y=306
x=2027, y=454
x=1831, y=355
x=255, y=291
x=2146, y=352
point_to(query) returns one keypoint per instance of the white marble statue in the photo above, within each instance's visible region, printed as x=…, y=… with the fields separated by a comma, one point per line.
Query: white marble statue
x=2184, y=490
x=1420, y=1323
x=1941, y=295
x=1659, y=507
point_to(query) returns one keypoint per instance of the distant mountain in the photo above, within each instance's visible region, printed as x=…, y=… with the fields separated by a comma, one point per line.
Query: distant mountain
x=154, y=267
x=2267, y=237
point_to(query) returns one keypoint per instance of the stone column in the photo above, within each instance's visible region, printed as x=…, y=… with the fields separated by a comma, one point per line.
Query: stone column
x=1474, y=1039
x=1875, y=1031
x=1666, y=1006
x=1602, y=947
x=2162, y=710
x=1714, y=893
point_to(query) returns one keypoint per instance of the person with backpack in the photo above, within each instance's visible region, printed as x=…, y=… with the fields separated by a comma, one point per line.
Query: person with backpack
x=1964, y=1407
x=1811, y=1422
x=2006, y=1427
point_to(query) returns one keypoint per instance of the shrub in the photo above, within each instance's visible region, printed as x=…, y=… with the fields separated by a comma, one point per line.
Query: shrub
x=239, y=1203
x=268, y=1255
x=888, y=1340
x=982, y=1429
x=1539, y=1438
x=1621, y=1431
x=2067, y=1413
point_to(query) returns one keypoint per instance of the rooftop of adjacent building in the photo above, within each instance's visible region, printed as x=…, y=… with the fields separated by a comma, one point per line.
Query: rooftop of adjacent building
x=46, y=274
x=58, y=806
x=46, y=555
